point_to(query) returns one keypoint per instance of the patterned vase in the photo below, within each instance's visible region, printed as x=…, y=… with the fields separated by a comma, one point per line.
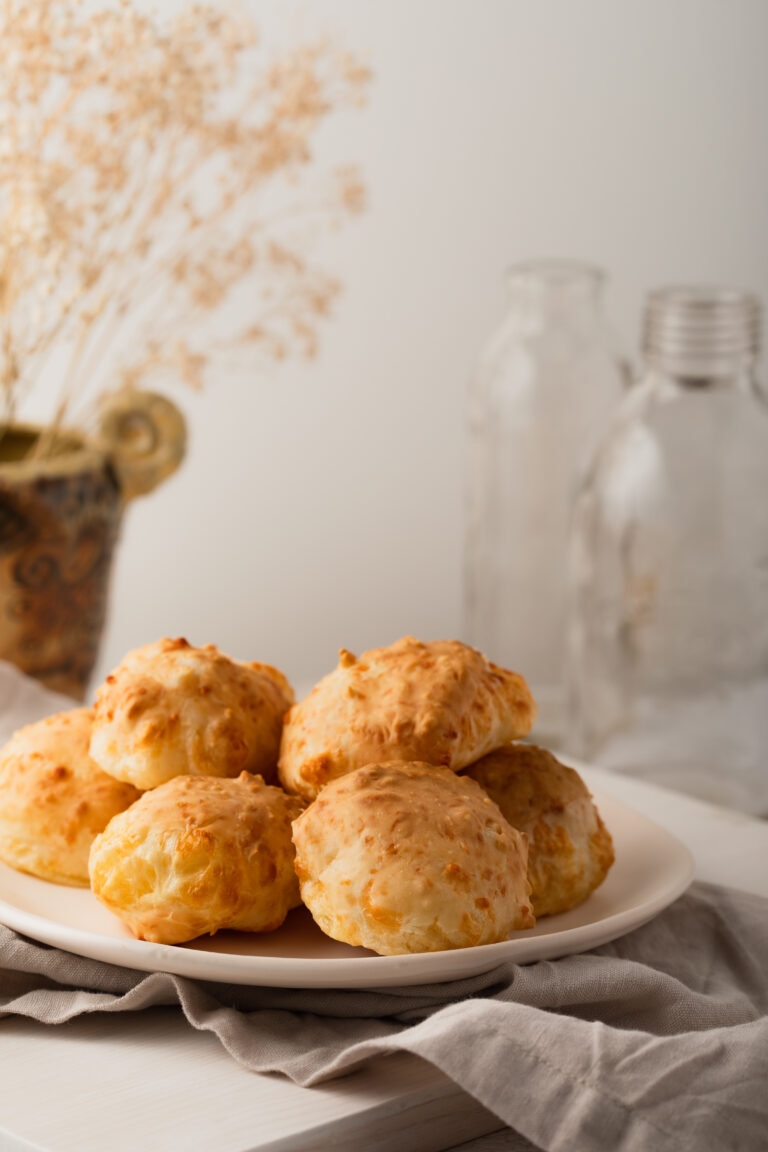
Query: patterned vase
x=59, y=523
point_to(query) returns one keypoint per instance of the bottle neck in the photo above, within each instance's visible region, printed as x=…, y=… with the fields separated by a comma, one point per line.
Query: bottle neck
x=545, y=290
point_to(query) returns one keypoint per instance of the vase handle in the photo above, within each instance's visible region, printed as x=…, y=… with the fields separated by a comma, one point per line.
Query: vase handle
x=144, y=436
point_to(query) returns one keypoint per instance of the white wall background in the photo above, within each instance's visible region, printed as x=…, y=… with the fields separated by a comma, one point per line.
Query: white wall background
x=323, y=505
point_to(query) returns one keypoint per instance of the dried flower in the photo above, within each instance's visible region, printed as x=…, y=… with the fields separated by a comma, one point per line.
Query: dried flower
x=145, y=171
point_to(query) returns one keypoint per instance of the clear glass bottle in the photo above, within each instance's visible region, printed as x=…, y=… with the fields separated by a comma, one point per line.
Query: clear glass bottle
x=545, y=387
x=668, y=629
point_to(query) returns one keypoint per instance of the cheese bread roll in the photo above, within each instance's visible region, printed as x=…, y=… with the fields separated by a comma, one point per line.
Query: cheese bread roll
x=569, y=848
x=440, y=703
x=54, y=799
x=170, y=710
x=407, y=857
x=199, y=854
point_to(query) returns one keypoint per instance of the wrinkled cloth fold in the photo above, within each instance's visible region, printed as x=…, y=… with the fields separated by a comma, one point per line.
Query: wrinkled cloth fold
x=657, y=1041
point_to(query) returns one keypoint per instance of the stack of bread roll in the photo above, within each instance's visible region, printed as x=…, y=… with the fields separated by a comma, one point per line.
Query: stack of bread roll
x=394, y=801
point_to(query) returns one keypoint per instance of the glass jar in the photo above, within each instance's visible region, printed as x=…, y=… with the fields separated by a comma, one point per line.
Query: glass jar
x=546, y=384
x=668, y=630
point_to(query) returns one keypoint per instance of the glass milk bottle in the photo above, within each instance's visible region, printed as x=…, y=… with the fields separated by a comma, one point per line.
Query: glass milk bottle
x=668, y=635
x=545, y=386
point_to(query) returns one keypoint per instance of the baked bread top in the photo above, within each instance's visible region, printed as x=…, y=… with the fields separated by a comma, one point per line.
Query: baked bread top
x=54, y=799
x=569, y=848
x=531, y=781
x=441, y=703
x=170, y=709
x=407, y=857
x=199, y=854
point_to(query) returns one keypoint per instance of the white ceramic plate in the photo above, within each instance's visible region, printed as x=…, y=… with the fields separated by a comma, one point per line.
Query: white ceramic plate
x=652, y=869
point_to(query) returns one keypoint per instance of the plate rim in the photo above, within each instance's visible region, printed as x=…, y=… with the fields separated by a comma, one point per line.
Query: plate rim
x=361, y=971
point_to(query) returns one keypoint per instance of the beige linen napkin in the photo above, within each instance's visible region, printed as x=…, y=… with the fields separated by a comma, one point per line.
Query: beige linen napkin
x=655, y=1043
x=23, y=701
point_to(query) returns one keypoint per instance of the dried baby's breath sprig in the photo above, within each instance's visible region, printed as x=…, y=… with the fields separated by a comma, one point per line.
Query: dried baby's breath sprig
x=146, y=170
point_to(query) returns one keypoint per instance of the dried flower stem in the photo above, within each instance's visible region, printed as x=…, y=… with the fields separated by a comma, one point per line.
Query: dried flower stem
x=125, y=181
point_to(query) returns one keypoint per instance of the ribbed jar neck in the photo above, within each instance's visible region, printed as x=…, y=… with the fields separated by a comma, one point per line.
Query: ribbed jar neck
x=550, y=287
x=701, y=335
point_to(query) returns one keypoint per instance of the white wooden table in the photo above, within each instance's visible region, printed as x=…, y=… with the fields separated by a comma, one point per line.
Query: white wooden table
x=149, y=1081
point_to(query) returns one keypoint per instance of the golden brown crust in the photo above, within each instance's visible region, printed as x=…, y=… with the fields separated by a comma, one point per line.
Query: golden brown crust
x=199, y=854
x=54, y=799
x=441, y=703
x=570, y=850
x=407, y=857
x=170, y=709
